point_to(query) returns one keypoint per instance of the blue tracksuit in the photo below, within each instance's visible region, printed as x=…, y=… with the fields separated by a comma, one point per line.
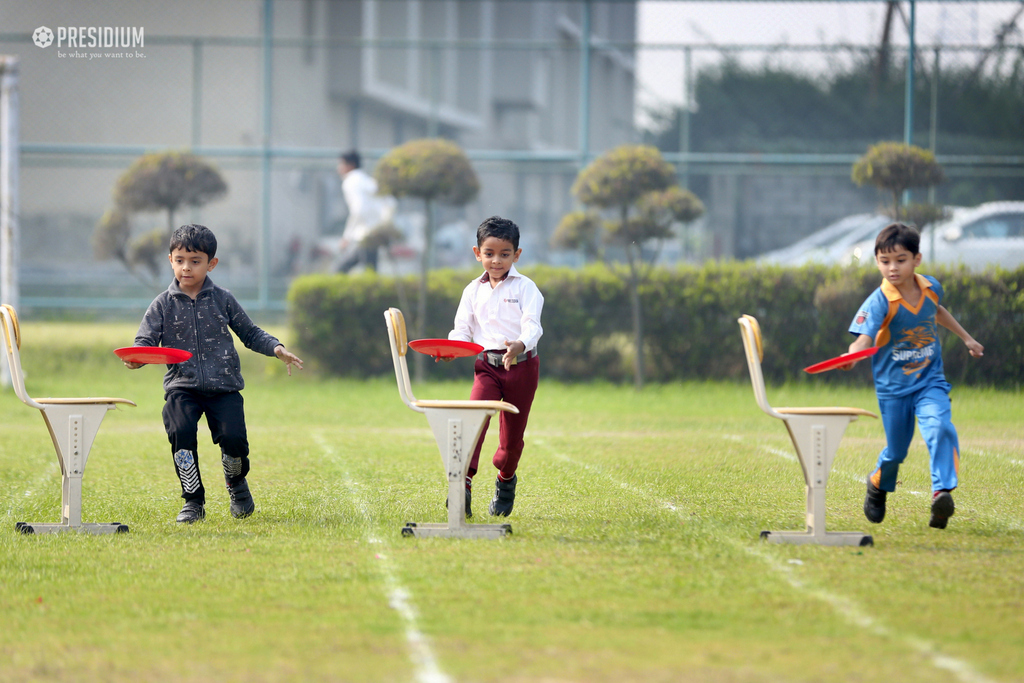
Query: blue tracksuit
x=909, y=381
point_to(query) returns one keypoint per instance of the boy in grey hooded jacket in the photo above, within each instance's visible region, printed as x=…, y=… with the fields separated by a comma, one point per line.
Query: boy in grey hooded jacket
x=196, y=315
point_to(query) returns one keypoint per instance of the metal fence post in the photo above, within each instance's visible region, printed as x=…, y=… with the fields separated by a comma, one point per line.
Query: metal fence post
x=265, y=157
x=9, y=158
x=585, y=29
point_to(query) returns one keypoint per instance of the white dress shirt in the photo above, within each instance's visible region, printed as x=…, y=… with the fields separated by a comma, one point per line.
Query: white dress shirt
x=509, y=312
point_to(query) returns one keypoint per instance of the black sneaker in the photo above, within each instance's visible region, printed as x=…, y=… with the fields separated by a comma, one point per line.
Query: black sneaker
x=942, y=509
x=504, y=497
x=469, y=498
x=874, y=503
x=241, y=500
x=192, y=511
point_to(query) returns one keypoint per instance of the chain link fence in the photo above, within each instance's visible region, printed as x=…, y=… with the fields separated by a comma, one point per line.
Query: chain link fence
x=759, y=105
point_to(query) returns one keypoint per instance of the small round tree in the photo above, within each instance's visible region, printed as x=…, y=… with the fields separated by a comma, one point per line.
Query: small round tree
x=634, y=183
x=164, y=181
x=434, y=170
x=896, y=167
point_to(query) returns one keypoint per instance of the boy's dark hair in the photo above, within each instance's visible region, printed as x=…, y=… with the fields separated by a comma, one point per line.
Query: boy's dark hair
x=499, y=227
x=352, y=158
x=898, y=235
x=196, y=238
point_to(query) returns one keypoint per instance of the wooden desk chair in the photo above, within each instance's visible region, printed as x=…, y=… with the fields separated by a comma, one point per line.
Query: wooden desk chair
x=73, y=424
x=457, y=426
x=816, y=433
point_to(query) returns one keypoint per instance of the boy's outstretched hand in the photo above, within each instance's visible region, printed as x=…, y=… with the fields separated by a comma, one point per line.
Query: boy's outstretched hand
x=514, y=349
x=975, y=349
x=288, y=358
x=131, y=365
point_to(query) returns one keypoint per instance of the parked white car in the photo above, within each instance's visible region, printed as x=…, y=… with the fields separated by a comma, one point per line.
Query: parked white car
x=990, y=234
x=830, y=244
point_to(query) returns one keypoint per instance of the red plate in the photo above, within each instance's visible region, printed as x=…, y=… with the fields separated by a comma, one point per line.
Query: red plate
x=152, y=354
x=840, y=360
x=445, y=348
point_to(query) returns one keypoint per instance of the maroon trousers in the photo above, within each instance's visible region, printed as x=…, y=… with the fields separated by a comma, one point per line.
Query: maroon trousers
x=517, y=386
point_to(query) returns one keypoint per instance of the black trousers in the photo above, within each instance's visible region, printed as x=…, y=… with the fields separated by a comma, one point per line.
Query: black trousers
x=225, y=417
x=367, y=256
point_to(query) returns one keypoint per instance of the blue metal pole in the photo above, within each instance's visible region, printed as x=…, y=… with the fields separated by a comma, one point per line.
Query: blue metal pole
x=908, y=124
x=268, y=65
x=585, y=84
x=197, y=93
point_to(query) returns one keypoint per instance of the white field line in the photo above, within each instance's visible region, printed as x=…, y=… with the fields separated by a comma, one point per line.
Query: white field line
x=844, y=607
x=399, y=599
x=1012, y=461
x=852, y=612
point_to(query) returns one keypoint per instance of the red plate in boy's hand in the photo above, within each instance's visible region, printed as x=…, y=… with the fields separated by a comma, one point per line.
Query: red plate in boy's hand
x=840, y=361
x=152, y=354
x=445, y=348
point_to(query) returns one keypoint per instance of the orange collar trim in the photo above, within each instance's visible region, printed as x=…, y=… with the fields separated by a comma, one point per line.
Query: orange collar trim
x=893, y=294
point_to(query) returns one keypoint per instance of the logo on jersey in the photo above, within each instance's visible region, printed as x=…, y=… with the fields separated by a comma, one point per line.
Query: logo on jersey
x=861, y=318
x=915, y=349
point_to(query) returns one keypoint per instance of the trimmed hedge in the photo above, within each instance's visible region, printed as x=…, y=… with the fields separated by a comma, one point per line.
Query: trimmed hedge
x=690, y=316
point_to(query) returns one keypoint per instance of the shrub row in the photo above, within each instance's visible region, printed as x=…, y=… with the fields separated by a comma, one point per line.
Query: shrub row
x=689, y=315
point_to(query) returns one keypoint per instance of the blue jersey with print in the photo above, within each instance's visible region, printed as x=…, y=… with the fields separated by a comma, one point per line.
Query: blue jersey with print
x=910, y=357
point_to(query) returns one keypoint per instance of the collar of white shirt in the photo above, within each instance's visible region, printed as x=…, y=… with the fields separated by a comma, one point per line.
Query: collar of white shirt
x=512, y=272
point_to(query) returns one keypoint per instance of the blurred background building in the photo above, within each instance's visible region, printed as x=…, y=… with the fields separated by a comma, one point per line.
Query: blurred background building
x=761, y=106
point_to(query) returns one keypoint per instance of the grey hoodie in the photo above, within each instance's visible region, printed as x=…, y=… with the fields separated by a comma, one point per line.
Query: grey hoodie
x=201, y=327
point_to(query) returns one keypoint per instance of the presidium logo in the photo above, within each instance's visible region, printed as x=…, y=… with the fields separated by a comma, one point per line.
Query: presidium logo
x=42, y=37
x=93, y=37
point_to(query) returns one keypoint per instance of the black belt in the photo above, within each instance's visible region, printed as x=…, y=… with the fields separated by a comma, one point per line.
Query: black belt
x=495, y=357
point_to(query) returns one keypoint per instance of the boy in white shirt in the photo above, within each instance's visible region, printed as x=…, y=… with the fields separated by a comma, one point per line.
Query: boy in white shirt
x=501, y=311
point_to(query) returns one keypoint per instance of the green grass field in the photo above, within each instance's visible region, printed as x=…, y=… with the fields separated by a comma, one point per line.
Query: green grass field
x=636, y=553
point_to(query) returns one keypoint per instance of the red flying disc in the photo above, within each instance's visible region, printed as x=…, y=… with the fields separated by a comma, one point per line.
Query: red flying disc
x=152, y=354
x=838, y=361
x=445, y=348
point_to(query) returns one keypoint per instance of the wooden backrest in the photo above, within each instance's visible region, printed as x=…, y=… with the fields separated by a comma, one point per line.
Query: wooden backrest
x=399, y=342
x=12, y=338
x=750, y=330
x=398, y=330
x=14, y=323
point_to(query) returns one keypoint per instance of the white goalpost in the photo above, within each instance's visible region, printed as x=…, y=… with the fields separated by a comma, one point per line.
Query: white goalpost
x=9, y=243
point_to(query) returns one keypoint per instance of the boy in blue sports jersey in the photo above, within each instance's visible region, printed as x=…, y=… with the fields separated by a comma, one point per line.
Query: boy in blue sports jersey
x=900, y=317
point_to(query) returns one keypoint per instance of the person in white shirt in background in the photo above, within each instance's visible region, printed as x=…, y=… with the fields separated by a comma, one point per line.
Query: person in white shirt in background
x=501, y=310
x=366, y=210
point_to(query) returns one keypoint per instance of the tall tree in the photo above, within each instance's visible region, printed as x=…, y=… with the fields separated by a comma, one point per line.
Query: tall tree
x=638, y=188
x=434, y=170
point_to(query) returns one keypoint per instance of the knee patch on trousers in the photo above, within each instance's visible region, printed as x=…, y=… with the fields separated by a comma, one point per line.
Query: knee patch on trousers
x=232, y=466
x=188, y=470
